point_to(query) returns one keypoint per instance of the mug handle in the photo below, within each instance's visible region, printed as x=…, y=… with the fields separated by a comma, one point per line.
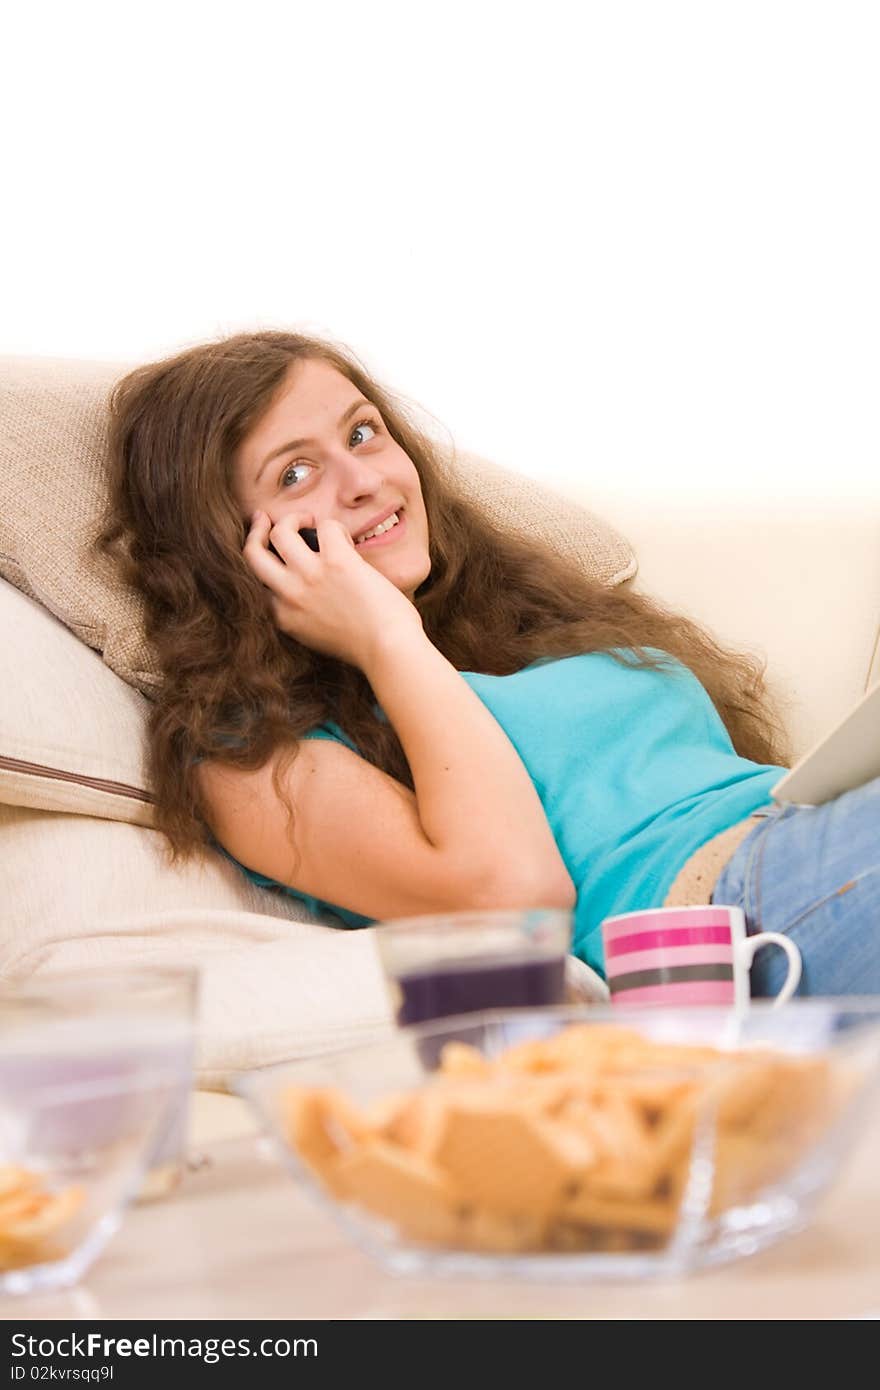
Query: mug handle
x=750, y=945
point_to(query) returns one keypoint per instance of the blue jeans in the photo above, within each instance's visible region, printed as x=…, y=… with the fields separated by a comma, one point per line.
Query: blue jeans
x=813, y=872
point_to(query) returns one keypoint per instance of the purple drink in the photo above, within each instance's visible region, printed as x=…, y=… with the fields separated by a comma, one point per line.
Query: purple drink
x=464, y=986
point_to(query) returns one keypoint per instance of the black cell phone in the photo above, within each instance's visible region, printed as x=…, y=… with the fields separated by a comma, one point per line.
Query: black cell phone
x=309, y=535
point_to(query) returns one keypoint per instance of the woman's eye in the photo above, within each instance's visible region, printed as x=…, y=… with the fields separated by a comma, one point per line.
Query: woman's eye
x=288, y=471
x=364, y=424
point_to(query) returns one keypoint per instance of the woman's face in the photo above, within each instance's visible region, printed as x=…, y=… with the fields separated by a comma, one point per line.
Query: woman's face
x=322, y=451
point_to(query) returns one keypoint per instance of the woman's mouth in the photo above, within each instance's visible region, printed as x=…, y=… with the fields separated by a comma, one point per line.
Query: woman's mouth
x=395, y=532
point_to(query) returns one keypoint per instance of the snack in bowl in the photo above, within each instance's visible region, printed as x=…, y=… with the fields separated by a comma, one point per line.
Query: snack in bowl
x=579, y=1141
x=33, y=1218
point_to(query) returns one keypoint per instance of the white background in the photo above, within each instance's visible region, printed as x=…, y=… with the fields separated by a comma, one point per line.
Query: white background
x=628, y=241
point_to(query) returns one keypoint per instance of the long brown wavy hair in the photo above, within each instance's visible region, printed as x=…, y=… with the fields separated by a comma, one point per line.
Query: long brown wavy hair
x=237, y=689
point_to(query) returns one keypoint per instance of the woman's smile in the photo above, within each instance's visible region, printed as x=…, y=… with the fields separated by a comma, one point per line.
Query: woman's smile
x=395, y=532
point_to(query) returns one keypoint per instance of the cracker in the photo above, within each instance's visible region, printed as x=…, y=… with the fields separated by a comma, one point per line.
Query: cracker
x=53, y=1212
x=412, y=1192
x=739, y=1087
x=654, y=1216
x=462, y=1059
x=418, y=1122
x=800, y=1103
x=14, y=1179
x=304, y=1122
x=743, y=1167
x=18, y=1205
x=507, y=1159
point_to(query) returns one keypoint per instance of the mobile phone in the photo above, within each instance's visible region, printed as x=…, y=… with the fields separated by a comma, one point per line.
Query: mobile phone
x=309, y=535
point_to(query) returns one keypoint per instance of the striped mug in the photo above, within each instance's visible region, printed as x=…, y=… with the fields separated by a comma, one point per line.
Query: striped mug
x=674, y=956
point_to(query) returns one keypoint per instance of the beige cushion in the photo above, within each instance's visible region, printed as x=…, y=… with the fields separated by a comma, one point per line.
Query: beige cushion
x=52, y=438
x=72, y=734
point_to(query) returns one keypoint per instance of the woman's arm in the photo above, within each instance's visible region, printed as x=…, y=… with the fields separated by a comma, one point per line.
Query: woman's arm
x=474, y=794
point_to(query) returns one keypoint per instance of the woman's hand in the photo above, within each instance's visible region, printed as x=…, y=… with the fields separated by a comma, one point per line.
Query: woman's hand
x=331, y=600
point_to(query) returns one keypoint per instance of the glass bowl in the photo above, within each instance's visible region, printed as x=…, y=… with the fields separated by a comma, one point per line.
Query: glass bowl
x=578, y=1142
x=95, y=1073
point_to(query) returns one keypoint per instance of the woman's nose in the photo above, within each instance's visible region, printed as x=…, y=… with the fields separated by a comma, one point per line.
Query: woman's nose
x=356, y=478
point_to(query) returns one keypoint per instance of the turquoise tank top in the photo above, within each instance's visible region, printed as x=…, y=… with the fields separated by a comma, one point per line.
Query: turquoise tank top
x=634, y=768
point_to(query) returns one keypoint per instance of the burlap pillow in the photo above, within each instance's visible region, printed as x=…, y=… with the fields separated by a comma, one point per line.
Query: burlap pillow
x=52, y=494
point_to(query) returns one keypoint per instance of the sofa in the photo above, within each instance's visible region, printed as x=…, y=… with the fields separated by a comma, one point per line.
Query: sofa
x=86, y=882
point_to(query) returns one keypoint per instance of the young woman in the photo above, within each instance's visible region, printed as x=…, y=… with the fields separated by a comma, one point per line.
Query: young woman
x=427, y=713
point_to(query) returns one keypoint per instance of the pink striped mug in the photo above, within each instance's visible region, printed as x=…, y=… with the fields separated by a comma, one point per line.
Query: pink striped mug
x=674, y=956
